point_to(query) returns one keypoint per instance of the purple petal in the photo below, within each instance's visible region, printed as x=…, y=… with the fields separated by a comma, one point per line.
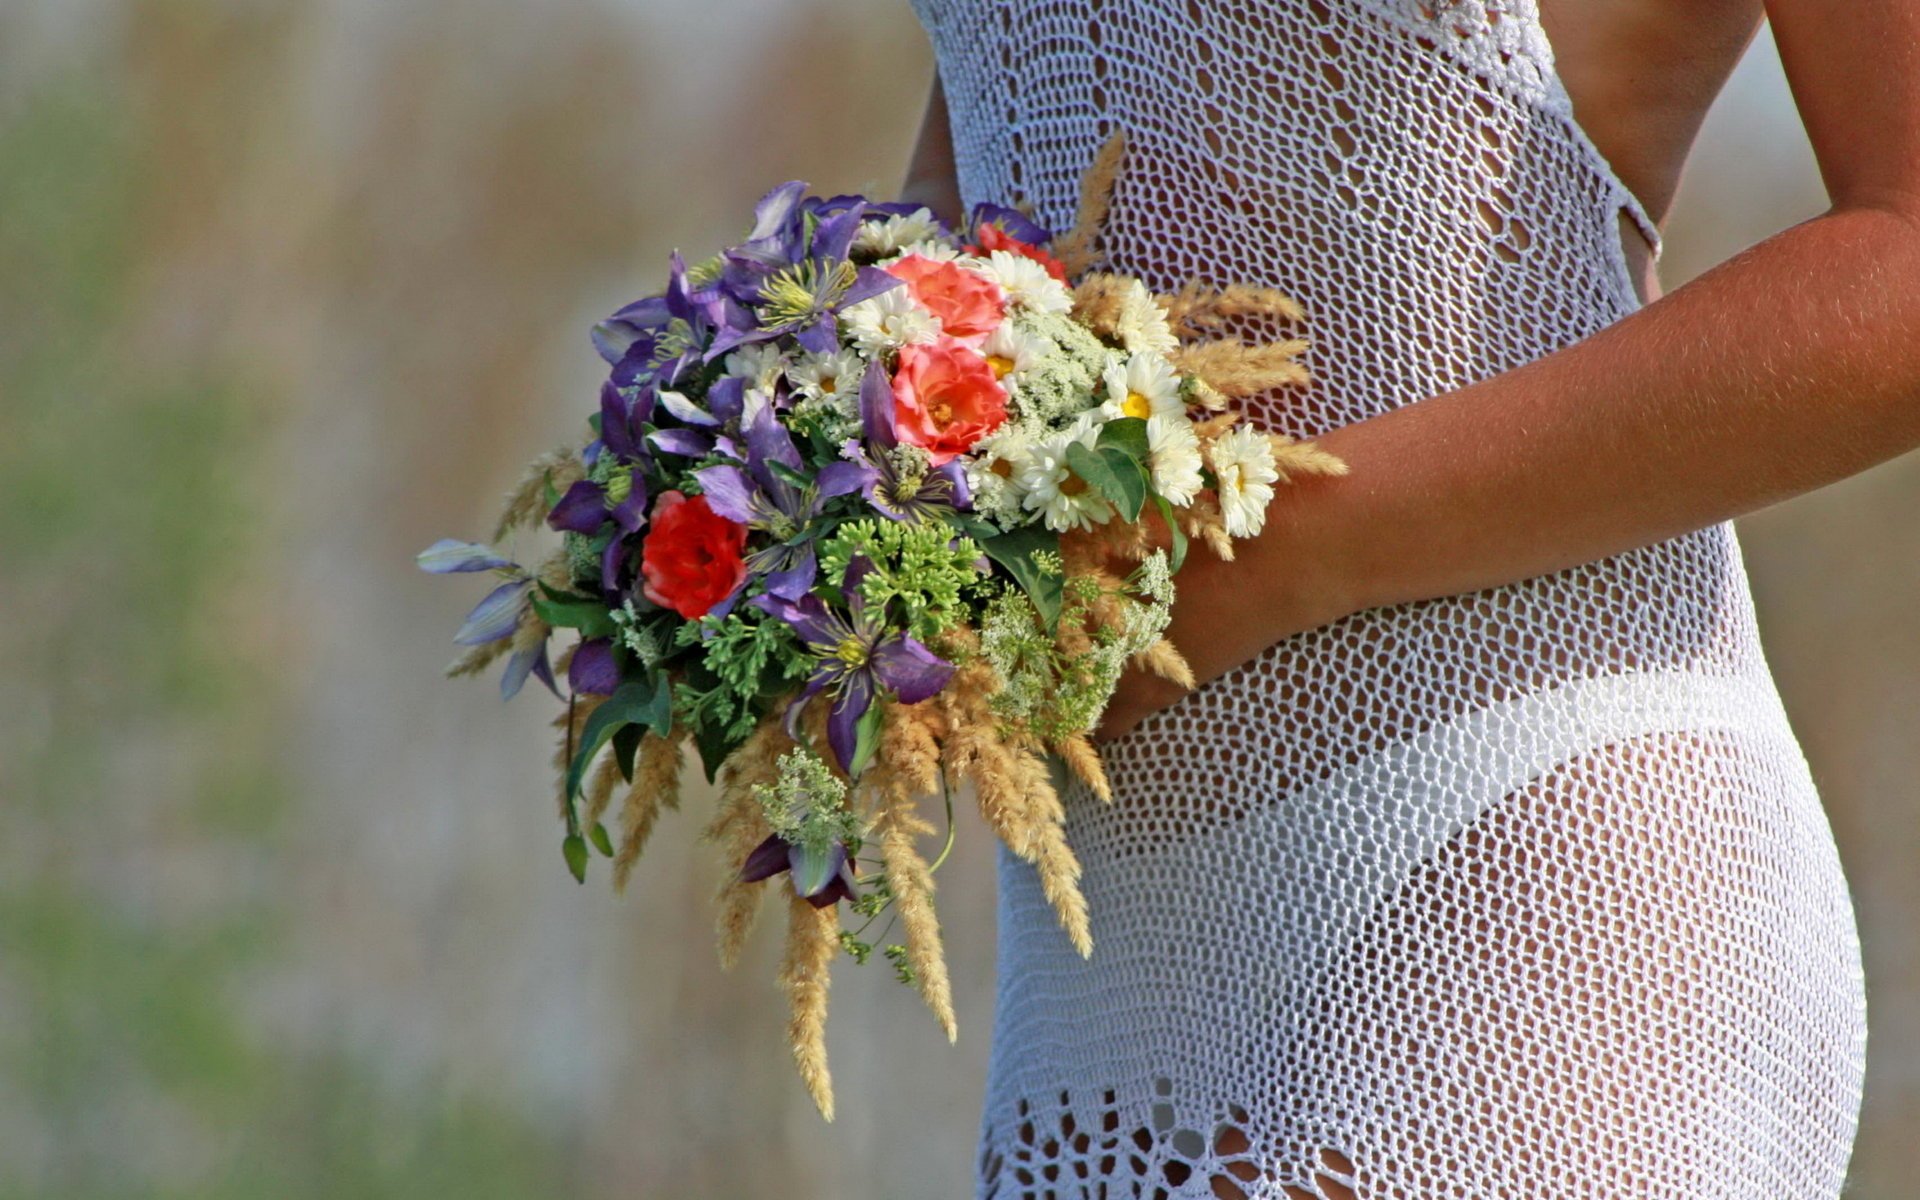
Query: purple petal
x=790, y=721
x=614, y=339
x=843, y=720
x=821, y=337
x=766, y=859
x=688, y=443
x=450, y=555
x=582, y=510
x=868, y=283
x=648, y=313
x=616, y=428
x=495, y=616
x=808, y=615
x=833, y=236
x=727, y=398
x=876, y=406
x=520, y=664
x=775, y=212
x=543, y=671
x=631, y=513
x=961, y=496
x=1011, y=220
x=813, y=871
x=796, y=580
x=838, y=888
x=611, y=560
x=910, y=669
x=729, y=492
x=842, y=478
x=685, y=409
x=593, y=669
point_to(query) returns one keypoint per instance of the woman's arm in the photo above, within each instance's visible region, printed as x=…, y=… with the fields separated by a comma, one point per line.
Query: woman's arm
x=930, y=175
x=1791, y=365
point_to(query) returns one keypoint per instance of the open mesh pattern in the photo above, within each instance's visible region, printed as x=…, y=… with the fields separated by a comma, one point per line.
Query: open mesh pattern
x=1519, y=893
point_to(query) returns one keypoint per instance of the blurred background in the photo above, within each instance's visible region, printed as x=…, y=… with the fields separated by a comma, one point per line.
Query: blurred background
x=291, y=288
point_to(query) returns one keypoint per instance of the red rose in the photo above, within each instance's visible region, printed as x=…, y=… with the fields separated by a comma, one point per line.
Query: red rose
x=945, y=398
x=691, y=556
x=992, y=237
x=968, y=306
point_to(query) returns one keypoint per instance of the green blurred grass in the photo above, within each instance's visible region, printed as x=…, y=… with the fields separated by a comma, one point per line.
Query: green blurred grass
x=143, y=822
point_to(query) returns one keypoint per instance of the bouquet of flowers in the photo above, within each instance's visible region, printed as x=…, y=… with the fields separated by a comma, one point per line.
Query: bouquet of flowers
x=868, y=511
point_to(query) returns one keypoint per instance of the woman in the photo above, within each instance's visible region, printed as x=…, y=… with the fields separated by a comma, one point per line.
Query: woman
x=1483, y=861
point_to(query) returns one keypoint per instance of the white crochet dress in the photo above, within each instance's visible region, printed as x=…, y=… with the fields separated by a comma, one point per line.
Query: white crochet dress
x=1525, y=893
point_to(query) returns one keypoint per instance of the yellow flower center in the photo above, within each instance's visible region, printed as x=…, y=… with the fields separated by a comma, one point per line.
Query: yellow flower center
x=1072, y=485
x=1136, y=405
x=1000, y=364
x=851, y=652
x=1002, y=468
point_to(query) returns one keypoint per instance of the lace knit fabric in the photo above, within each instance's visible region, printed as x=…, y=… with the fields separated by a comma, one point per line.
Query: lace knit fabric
x=1519, y=893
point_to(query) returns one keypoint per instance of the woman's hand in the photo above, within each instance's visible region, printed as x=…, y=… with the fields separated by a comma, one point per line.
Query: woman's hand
x=1225, y=614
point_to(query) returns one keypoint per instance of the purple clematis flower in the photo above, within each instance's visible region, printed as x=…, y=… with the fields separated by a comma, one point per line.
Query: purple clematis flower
x=896, y=494
x=856, y=657
x=819, y=879
x=1011, y=221
x=769, y=500
x=498, y=614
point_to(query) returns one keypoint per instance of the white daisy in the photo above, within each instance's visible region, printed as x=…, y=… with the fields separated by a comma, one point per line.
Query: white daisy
x=1142, y=385
x=888, y=321
x=1025, y=282
x=759, y=363
x=932, y=248
x=1142, y=322
x=1051, y=488
x=831, y=376
x=1015, y=353
x=1242, y=460
x=994, y=468
x=1173, y=456
x=890, y=234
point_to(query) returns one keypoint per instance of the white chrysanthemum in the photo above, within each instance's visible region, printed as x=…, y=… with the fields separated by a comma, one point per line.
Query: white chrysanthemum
x=759, y=363
x=896, y=231
x=1015, y=353
x=1242, y=460
x=832, y=376
x=1051, y=488
x=994, y=469
x=1173, y=456
x=888, y=321
x=1142, y=385
x=1025, y=281
x=1142, y=322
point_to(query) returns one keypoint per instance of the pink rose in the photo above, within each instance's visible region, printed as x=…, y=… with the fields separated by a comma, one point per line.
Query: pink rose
x=968, y=306
x=945, y=398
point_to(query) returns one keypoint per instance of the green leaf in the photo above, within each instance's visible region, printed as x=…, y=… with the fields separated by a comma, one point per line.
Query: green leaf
x=866, y=739
x=574, y=848
x=590, y=617
x=1014, y=551
x=1179, y=554
x=1113, y=474
x=601, y=841
x=647, y=702
x=714, y=742
x=551, y=492
x=797, y=478
x=626, y=744
x=1127, y=435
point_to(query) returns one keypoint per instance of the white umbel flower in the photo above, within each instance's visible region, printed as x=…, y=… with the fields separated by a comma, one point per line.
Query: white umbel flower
x=1015, y=353
x=1242, y=460
x=1173, y=456
x=895, y=232
x=1142, y=385
x=888, y=321
x=1025, y=282
x=1142, y=322
x=1063, y=499
x=759, y=363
